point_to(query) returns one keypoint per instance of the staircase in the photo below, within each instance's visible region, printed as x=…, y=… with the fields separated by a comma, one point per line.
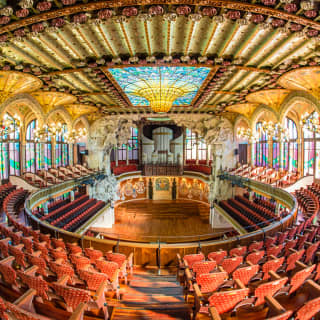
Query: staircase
x=151, y=296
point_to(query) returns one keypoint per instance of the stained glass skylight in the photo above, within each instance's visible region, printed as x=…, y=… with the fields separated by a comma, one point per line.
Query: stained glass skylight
x=146, y=85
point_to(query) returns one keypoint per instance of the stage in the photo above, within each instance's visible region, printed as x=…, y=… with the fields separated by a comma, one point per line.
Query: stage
x=169, y=220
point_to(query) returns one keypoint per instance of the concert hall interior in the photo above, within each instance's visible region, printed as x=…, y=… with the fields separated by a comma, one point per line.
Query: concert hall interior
x=159, y=159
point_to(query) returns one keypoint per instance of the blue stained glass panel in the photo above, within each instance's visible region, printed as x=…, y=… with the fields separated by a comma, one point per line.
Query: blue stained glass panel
x=133, y=80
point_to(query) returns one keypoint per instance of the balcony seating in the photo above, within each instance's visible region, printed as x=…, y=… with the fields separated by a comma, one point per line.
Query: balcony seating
x=198, y=168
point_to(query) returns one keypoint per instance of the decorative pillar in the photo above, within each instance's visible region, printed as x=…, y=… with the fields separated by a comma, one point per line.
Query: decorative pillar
x=249, y=151
x=252, y=154
x=116, y=155
x=270, y=153
x=127, y=154
x=72, y=195
x=70, y=147
x=277, y=212
x=197, y=150
x=53, y=154
x=207, y=156
x=184, y=147
x=281, y=160
x=23, y=158
x=251, y=194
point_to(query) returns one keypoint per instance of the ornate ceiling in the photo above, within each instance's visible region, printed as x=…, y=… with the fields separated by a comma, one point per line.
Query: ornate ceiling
x=73, y=46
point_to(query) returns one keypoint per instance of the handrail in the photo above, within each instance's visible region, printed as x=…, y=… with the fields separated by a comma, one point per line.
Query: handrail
x=146, y=253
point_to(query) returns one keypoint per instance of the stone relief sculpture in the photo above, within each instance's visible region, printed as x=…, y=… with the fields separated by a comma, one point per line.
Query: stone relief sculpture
x=105, y=189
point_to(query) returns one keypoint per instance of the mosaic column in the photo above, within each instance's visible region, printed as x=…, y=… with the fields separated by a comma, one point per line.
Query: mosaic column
x=70, y=146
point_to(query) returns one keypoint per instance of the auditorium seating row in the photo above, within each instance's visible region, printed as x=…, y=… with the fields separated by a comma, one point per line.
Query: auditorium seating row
x=264, y=274
x=266, y=204
x=250, y=215
x=271, y=176
x=45, y=178
x=124, y=169
x=51, y=273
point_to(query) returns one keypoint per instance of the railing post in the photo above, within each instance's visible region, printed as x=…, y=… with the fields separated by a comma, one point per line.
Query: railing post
x=159, y=257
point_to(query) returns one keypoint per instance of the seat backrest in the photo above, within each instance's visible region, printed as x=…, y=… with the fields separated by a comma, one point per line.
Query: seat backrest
x=271, y=265
x=39, y=262
x=93, y=279
x=18, y=254
x=72, y=296
x=268, y=289
x=217, y=256
x=293, y=258
x=37, y=283
x=61, y=270
x=255, y=246
x=311, y=251
x=192, y=258
x=107, y=267
x=119, y=258
x=203, y=267
x=93, y=254
x=310, y=309
x=230, y=264
x=274, y=250
x=255, y=257
x=245, y=274
x=238, y=251
x=209, y=282
x=225, y=301
x=8, y=274
x=298, y=279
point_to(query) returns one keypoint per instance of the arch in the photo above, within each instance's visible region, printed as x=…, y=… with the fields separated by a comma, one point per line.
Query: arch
x=82, y=119
x=26, y=100
x=239, y=121
x=298, y=97
x=263, y=110
x=62, y=112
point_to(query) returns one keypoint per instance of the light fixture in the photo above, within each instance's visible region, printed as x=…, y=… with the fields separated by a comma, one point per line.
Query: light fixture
x=8, y=125
x=75, y=135
x=42, y=134
x=275, y=131
x=246, y=134
x=311, y=122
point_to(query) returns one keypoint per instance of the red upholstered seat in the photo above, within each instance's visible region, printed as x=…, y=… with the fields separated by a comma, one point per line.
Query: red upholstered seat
x=39, y=262
x=210, y=282
x=245, y=274
x=107, y=267
x=58, y=243
x=255, y=257
x=93, y=254
x=268, y=289
x=310, y=309
x=37, y=283
x=74, y=249
x=230, y=264
x=240, y=251
x=311, y=251
x=203, y=267
x=256, y=246
x=218, y=256
x=8, y=274
x=226, y=300
x=192, y=258
x=119, y=258
x=80, y=261
x=18, y=254
x=299, y=278
x=93, y=279
x=274, y=250
x=293, y=258
x=72, y=296
x=271, y=265
x=61, y=270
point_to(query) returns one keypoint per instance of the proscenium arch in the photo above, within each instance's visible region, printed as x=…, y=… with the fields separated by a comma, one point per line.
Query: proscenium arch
x=258, y=112
x=295, y=97
x=65, y=115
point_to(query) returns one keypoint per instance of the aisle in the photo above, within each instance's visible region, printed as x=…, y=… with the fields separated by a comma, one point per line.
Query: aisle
x=150, y=296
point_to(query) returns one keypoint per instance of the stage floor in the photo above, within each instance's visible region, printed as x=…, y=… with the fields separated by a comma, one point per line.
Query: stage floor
x=172, y=221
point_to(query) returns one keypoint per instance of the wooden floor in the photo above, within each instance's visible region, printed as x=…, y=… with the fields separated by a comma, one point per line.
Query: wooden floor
x=172, y=221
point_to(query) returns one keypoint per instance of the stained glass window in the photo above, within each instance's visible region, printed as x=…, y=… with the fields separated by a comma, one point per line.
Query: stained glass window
x=193, y=144
x=62, y=148
x=275, y=154
x=32, y=152
x=290, y=147
x=133, y=150
x=262, y=147
x=309, y=152
x=10, y=151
